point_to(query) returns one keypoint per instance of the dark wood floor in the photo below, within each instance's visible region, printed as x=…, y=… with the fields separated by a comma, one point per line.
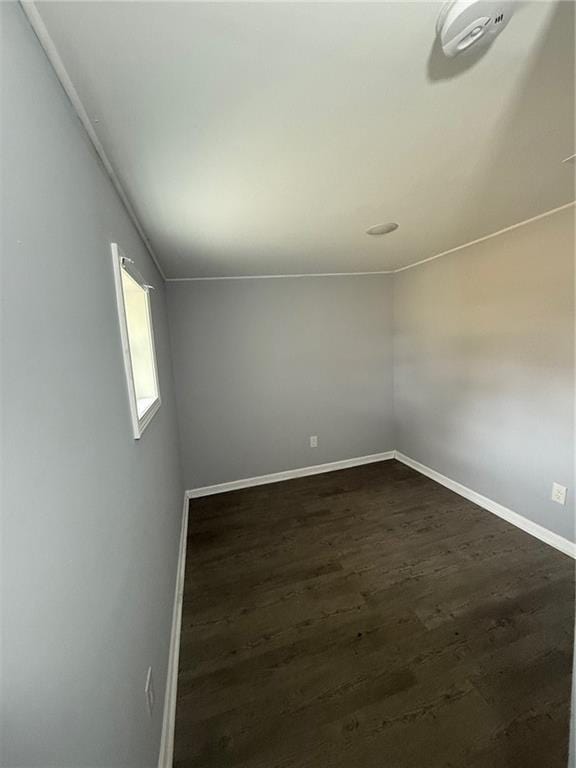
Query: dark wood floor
x=370, y=618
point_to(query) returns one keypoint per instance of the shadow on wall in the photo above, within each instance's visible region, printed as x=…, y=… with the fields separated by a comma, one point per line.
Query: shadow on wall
x=484, y=374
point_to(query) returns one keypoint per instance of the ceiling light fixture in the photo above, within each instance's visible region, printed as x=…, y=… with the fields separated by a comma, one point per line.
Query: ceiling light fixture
x=382, y=229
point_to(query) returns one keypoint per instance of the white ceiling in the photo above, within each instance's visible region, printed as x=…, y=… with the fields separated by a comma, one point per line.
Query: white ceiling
x=265, y=138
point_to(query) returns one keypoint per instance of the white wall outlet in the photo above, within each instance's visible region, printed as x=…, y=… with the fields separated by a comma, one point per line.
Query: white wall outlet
x=149, y=691
x=313, y=441
x=558, y=493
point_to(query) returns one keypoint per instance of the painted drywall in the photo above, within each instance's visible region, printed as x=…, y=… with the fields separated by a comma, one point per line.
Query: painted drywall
x=484, y=367
x=261, y=365
x=90, y=518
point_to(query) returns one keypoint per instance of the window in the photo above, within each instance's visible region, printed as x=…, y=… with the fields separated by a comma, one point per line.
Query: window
x=137, y=335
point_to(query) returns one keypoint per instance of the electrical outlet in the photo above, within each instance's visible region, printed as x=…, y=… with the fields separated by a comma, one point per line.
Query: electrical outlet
x=313, y=441
x=558, y=493
x=149, y=691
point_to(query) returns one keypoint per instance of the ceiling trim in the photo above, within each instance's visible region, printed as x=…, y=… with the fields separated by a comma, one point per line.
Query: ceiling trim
x=382, y=272
x=41, y=32
x=487, y=237
x=277, y=277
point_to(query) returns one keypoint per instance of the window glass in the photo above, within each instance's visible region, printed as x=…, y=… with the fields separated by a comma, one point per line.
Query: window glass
x=136, y=302
x=137, y=336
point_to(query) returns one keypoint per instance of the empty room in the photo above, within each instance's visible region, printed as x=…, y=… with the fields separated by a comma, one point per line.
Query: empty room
x=287, y=384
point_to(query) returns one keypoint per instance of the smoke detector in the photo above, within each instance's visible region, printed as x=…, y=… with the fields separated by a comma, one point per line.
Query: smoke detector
x=464, y=25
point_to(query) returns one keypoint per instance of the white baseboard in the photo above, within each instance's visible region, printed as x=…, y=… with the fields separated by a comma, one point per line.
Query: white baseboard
x=166, y=757
x=290, y=474
x=548, y=537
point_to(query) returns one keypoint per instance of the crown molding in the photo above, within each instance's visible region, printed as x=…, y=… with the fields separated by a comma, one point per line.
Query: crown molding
x=278, y=277
x=41, y=32
x=487, y=237
x=381, y=272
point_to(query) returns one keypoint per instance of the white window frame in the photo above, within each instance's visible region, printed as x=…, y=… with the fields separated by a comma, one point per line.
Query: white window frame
x=121, y=262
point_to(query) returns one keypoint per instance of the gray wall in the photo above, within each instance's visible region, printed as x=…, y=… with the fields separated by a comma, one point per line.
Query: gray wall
x=90, y=518
x=484, y=367
x=260, y=365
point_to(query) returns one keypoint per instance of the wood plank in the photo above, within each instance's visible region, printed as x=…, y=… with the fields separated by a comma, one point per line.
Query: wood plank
x=370, y=617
